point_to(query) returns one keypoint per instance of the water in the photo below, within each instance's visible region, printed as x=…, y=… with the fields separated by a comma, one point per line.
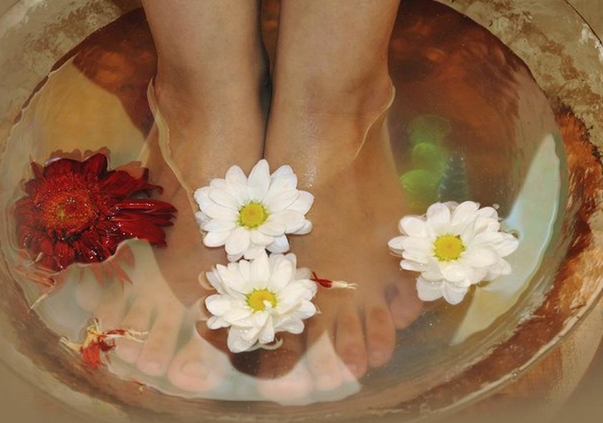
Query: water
x=468, y=122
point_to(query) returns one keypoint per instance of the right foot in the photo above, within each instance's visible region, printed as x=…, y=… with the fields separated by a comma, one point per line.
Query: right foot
x=198, y=134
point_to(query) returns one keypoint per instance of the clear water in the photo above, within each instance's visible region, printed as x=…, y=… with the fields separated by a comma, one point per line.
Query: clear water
x=468, y=122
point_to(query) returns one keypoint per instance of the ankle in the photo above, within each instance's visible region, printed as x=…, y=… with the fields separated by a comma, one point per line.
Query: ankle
x=196, y=84
x=360, y=96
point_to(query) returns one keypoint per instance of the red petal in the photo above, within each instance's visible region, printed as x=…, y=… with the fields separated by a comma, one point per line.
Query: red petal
x=138, y=228
x=64, y=254
x=95, y=165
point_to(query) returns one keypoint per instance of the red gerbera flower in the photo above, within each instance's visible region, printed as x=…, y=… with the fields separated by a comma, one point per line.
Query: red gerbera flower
x=79, y=212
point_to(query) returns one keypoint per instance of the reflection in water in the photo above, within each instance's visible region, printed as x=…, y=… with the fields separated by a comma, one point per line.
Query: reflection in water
x=468, y=122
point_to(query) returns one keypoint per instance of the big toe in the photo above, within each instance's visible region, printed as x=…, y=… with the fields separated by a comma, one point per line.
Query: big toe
x=160, y=345
x=197, y=367
x=282, y=374
x=137, y=319
x=324, y=365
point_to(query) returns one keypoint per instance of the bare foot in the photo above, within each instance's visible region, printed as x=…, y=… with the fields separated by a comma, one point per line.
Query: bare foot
x=350, y=171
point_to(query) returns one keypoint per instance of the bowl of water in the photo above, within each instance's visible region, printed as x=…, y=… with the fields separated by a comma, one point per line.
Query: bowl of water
x=491, y=105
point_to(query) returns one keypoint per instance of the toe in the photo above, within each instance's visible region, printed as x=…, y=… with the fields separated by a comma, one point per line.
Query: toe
x=283, y=375
x=278, y=363
x=197, y=367
x=349, y=342
x=405, y=307
x=88, y=294
x=160, y=345
x=380, y=332
x=323, y=363
x=138, y=319
x=113, y=306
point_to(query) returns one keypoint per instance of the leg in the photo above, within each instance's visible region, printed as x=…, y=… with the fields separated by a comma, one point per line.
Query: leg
x=331, y=95
x=211, y=84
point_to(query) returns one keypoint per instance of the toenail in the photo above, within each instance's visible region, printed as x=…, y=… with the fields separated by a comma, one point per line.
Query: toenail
x=195, y=369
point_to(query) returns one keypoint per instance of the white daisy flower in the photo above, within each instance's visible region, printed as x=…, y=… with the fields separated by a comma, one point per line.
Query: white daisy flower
x=454, y=246
x=259, y=298
x=250, y=215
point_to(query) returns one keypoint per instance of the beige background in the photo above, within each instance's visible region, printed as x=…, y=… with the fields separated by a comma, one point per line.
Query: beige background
x=17, y=397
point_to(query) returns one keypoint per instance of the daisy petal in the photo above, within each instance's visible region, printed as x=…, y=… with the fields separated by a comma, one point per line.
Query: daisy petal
x=238, y=241
x=259, y=180
x=279, y=245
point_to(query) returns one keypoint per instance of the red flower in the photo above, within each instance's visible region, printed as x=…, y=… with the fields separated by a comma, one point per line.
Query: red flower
x=97, y=342
x=79, y=212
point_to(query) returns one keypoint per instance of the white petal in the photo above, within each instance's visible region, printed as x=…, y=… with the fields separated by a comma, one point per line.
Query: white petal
x=214, y=280
x=454, y=272
x=488, y=212
x=215, y=239
x=395, y=244
x=266, y=336
x=217, y=183
x=464, y=213
x=254, y=251
x=238, y=241
x=306, y=310
x=272, y=228
x=257, y=237
x=429, y=291
x=236, y=341
x=201, y=196
x=218, y=305
x=279, y=245
x=216, y=211
x=217, y=323
x=438, y=217
x=234, y=257
x=305, y=229
x=244, y=269
x=293, y=221
x=236, y=315
x=417, y=246
x=412, y=265
x=218, y=225
x=303, y=203
x=454, y=294
x=224, y=198
x=413, y=226
x=281, y=275
x=259, y=180
x=277, y=200
x=480, y=257
x=285, y=172
x=260, y=270
x=294, y=326
x=235, y=175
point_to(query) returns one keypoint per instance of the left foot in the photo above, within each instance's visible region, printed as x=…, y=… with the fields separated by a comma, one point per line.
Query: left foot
x=350, y=171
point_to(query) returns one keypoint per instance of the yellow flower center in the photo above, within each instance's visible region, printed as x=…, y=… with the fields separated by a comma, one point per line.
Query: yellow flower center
x=448, y=247
x=252, y=215
x=260, y=298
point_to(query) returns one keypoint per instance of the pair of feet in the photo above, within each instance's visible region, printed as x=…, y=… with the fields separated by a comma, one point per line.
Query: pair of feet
x=343, y=158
